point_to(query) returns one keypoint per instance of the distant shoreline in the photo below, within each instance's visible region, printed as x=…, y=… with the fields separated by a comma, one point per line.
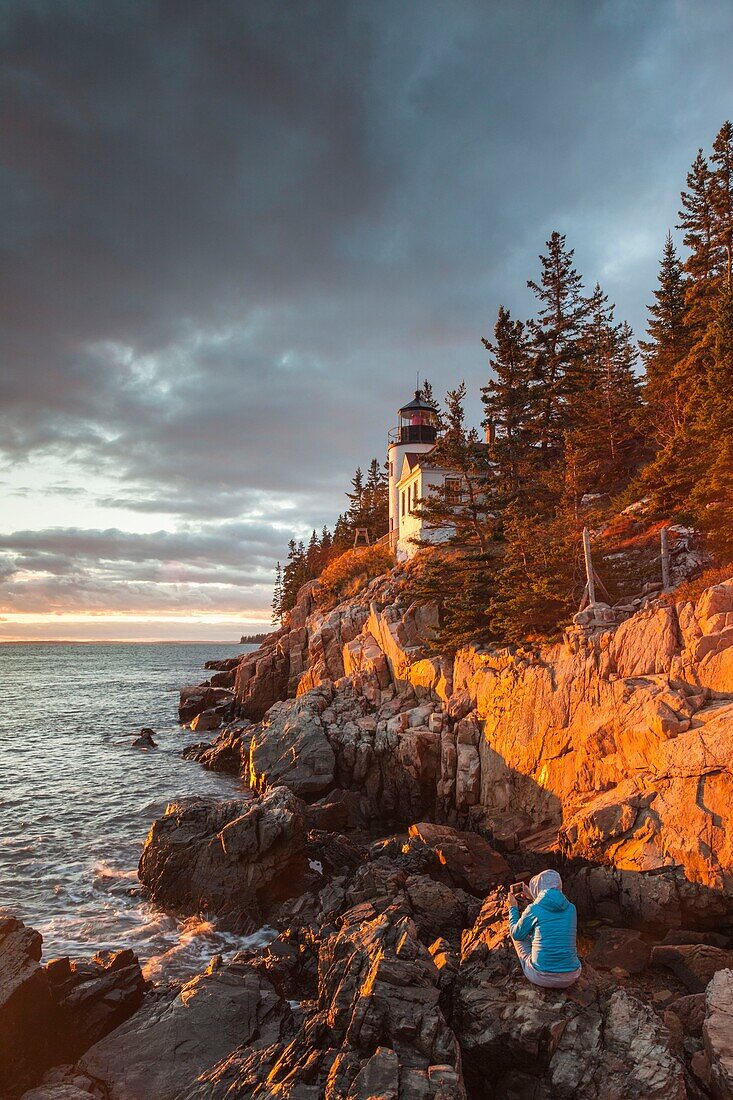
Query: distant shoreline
x=121, y=641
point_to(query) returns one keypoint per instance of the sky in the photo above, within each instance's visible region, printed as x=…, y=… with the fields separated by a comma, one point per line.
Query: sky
x=232, y=232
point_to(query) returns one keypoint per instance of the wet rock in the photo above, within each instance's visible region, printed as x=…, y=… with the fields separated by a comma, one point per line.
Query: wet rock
x=235, y=858
x=470, y=860
x=224, y=679
x=718, y=1033
x=161, y=1051
x=207, y=720
x=94, y=997
x=198, y=698
x=145, y=740
x=229, y=752
x=226, y=664
x=28, y=1039
x=693, y=964
x=52, y=1014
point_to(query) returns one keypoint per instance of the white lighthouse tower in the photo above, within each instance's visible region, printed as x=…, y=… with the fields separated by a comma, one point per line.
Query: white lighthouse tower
x=415, y=434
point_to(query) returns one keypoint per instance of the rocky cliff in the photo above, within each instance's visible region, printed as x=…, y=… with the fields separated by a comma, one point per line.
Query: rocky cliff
x=613, y=746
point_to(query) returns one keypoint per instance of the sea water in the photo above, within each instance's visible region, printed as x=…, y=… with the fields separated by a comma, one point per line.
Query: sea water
x=76, y=800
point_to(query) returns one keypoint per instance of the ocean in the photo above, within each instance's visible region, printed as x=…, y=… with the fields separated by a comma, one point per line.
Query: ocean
x=76, y=800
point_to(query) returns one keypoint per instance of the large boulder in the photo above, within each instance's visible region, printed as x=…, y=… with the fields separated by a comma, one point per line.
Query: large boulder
x=663, y=900
x=290, y=747
x=94, y=997
x=176, y=1037
x=694, y=965
x=646, y=643
x=234, y=858
x=718, y=1033
x=468, y=858
x=66, y=1082
x=28, y=1015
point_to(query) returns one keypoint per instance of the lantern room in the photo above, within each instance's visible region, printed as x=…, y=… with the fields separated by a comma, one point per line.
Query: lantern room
x=418, y=422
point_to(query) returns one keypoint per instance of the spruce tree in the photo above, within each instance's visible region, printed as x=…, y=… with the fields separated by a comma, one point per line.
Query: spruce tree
x=540, y=579
x=313, y=556
x=326, y=544
x=602, y=442
x=557, y=335
x=696, y=220
x=711, y=498
x=508, y=402
x=426, y=392
x=295, y=574
x=277, y=596
x=722, y=206
x=665, y=349
x=356, y=501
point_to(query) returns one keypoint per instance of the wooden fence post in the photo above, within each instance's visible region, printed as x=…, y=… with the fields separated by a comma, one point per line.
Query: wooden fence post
x=589, y=567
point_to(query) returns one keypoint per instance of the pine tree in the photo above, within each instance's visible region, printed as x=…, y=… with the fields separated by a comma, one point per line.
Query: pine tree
x=540, y=580
x=343, y=536
x=326, y=544
x=277, y=596
x=376, y=501
x=462, y=586
x=508, y=402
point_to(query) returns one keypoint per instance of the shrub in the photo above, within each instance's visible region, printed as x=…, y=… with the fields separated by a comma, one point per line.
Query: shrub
x=352, y=571
x=694, y=588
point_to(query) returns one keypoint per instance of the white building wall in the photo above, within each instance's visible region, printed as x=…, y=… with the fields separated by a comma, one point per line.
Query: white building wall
x=414, y=487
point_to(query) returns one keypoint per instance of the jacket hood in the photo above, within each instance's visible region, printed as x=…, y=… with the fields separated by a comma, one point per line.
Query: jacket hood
x=545, y=880
x=554, y=900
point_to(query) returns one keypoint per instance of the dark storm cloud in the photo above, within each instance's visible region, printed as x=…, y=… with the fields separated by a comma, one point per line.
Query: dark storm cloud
x=231, y=232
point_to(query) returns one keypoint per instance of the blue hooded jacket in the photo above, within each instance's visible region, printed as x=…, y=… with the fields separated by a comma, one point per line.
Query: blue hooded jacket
x=551, y=923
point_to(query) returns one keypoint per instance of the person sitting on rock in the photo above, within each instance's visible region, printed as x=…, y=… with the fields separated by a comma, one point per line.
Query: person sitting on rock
x=544, y=937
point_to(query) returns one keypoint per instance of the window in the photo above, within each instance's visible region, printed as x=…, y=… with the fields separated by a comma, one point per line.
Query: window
x=414, y=495
x=403, y=502
x=453, y=490
x=391, y=470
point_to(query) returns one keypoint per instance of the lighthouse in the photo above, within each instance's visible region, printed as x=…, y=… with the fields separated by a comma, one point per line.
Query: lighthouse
x=415, y=434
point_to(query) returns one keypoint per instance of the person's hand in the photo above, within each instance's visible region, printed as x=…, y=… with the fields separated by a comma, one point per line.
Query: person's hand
x=512, y=899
